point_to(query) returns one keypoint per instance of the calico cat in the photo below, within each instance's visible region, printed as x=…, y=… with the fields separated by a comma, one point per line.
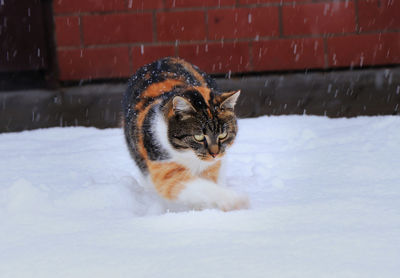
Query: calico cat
x=178, y=126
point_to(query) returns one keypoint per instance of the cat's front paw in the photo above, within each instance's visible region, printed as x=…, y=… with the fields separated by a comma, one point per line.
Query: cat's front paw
x=233, y=201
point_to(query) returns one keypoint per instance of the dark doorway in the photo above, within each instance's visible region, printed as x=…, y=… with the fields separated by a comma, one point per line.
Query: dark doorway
x=26, y=44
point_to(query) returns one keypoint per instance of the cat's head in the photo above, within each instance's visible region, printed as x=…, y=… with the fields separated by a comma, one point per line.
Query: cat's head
x=202, y=121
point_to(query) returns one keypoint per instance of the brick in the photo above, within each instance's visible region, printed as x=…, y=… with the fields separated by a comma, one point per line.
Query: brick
x=217, y=57
x=117, y=28
x=93, y=63
x=74, y=6
x=143, y=55
x=361, y=50
x=318, y=18
x=145, y=4
x=198, y=3
x=243, y=22
x=245, y=2
x=67, y=31
x=376, y=15
x=288, y=54
x=187, y=25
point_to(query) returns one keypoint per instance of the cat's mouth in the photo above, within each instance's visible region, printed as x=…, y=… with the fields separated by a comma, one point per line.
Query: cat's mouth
x=210, y=156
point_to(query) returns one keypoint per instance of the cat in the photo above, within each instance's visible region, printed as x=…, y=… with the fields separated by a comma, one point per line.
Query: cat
x=177, y=127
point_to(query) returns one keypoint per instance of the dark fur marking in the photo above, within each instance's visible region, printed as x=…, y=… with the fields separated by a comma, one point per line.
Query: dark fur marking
x=206, y=103
x=154, y=151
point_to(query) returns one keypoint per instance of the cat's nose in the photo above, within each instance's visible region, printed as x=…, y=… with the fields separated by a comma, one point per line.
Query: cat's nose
x=213, y=150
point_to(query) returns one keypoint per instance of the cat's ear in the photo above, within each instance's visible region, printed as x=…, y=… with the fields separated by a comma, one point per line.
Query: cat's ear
x=229, y=100
x=182, y=105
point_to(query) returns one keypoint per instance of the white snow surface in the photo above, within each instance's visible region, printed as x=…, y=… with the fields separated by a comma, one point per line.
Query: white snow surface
x=325, y=202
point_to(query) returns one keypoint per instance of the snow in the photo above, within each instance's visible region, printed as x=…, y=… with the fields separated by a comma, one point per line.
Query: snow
x=325, y=198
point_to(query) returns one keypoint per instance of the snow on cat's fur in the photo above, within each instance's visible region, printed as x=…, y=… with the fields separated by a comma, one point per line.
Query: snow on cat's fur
x=178, y=126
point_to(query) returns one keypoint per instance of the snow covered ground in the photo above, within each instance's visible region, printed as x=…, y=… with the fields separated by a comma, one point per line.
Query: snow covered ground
x=325, y=196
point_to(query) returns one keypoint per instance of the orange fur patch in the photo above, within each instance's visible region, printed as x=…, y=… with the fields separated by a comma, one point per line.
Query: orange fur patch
x=171, y=112
x=205, y=93
x=212, y=172
x=157, y=89
x=169, y=178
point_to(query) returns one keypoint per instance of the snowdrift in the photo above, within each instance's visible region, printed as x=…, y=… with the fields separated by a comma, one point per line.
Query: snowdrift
x=325, y=202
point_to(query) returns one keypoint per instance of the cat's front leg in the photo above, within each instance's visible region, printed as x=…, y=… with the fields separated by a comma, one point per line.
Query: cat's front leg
x=176, y=183
x=200, y=193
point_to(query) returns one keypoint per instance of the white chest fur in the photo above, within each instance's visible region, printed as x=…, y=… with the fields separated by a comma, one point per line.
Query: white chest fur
x=197, y=193
x=187, y=158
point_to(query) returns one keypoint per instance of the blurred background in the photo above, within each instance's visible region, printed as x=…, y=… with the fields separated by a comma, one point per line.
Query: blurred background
x=66, y=62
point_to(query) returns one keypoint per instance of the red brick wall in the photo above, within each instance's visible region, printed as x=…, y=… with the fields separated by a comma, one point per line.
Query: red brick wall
x=112, y=38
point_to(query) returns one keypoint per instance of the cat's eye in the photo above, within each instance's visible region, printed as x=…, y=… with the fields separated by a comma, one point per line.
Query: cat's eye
x=223, y=135
x=199, y=137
